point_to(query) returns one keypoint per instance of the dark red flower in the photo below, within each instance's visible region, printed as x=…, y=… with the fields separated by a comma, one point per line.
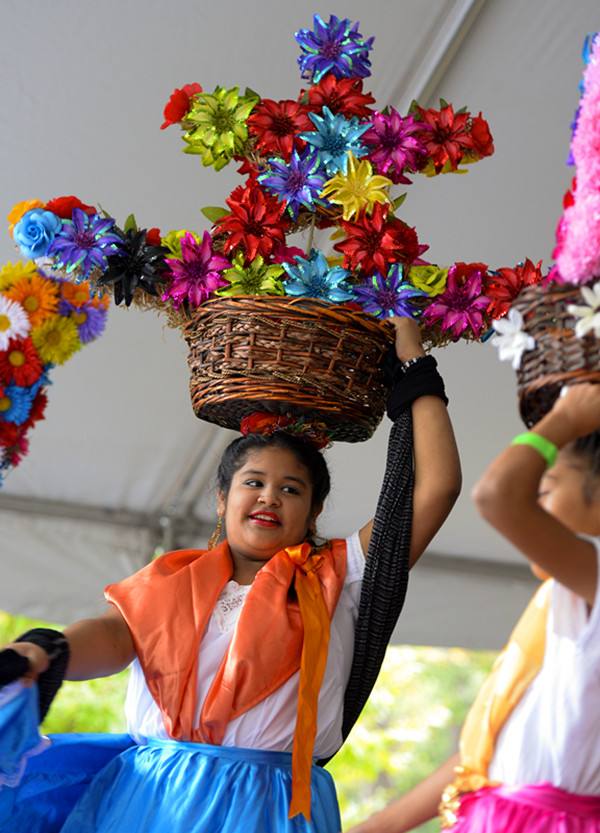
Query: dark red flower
x=37, y=412
x=503, y=285
x=20, y=363
x=341, y=95
x=153, y=236
x=63, y=206
x=372, y=243
x=249, y=169
x=178, y=105
x=9, y=432
x=449, y=139
x=255, y=223
x=276, y=124
x=482, y=138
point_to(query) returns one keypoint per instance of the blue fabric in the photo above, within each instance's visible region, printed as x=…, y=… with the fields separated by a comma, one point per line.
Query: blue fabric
x=86, y=783
x=19, y=736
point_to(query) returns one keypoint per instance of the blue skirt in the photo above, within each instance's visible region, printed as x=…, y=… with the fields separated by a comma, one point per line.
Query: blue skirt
x=109, y=784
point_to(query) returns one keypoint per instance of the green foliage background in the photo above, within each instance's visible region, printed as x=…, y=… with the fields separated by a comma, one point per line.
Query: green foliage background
x=410, y=725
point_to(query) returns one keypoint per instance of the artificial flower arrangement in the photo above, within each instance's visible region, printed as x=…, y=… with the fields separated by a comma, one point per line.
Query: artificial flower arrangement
x=44, y=320
x=551, y=331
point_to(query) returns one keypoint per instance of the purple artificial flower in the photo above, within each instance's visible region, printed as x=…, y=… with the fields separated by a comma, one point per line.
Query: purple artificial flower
x=84, y=243
x=389, y=296
x=395, y=144
x=336, y=47
x=297, y=182
x=462, y=303
x=90, y=320
x=196, y=276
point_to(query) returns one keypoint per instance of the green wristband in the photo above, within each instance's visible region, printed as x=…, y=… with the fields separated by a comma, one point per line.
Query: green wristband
x=542, y=445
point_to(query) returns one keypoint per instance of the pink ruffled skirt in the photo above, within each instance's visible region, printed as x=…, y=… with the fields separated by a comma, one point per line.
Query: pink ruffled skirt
x=539, y=808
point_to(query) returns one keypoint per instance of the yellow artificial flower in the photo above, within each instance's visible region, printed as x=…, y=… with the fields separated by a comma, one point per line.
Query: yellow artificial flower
x=10, y=273
x=20, y=208
x=172, y=241
x=38, y=297
x=358, y=189
x=56, y=339
x=430, y=279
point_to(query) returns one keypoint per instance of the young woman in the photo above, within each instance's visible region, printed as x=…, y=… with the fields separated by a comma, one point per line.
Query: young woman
x=241, y=653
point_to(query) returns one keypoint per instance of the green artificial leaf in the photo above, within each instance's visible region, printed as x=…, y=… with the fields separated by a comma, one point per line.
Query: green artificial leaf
x=130, y=224
x=462, y=110
x=443, y=103
x=414, y=107
x=249, y=93
x=214, y=212
x=398, y=201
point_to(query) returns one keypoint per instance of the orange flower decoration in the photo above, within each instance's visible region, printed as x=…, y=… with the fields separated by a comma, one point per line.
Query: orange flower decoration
x=78, y=294
x=17, y=211
x=38, y=296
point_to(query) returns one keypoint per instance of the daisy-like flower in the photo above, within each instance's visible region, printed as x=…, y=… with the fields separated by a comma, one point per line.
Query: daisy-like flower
x=462, y=304
x=15, y=404
x=20, y=363
x=258, y=278
x=296, y=183
x=447, y=137
x=429, y=278
x=334, y=138
x=90, y=320
x=388, y=296
x=83, y=243
x=56, y=340
x=216, y=125
x=358, y=189
x=136, y=265
x=37, y=295
x=276, y=124
x=587, y=313
x=14, y=321
x=372, y=243
x=510, y=340
x=504, y=285
x=312, y=277
x=197, y=275
x=341, y=95
x=336, y=47
x=81, y=294
x=396, y=144
x=10, y=273
x=255, y=222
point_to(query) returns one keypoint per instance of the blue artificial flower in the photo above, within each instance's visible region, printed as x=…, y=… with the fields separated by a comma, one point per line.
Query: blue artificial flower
x=41, y=382
x=84, y=243
x=20, y=401
x=334, y=138
x=390, y=296
x=336, y=47
x=312, y=277
x=35, y=232
x=297, y=182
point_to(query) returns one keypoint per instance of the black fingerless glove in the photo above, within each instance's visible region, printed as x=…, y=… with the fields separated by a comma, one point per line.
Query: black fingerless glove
x=419, y=379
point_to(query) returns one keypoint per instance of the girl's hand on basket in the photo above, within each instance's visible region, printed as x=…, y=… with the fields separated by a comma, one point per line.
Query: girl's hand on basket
x=578, y=410
x=408, y=338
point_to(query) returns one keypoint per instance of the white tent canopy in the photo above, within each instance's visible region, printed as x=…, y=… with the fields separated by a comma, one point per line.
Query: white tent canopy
x=121, y=466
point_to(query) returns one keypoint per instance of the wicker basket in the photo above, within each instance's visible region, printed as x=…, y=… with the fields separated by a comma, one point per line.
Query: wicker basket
x=559, y=357
x=297, y=356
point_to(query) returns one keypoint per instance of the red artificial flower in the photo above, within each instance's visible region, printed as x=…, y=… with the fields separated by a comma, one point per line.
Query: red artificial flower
x=482, y=138
x=276, y=124
x=20, y=363
x=255, y=223
x=569, y=197
x=153, y=236
x=178, y=105
x=341, y=95
x=63, y=206
x=18, y=450
x=372, y=243
x=9, y=432
x=503, y=285
x=38, y=408
x=449, y=138
x=249, y=169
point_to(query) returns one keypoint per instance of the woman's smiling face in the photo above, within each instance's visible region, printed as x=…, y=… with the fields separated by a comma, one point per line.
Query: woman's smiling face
x=268, y=506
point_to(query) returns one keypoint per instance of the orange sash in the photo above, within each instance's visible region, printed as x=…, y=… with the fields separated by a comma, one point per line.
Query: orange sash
x=167, y=606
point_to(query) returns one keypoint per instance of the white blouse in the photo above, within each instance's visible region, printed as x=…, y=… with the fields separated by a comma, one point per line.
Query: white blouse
x=553, y=734
x=271, y=723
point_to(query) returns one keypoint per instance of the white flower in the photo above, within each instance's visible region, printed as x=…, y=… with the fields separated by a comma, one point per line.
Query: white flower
x=14, y=321
x=589, y=313
x=510, y=340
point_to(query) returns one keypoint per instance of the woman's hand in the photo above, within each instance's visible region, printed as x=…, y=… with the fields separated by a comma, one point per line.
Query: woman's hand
x=38, y=660
x=575, y=413
x=408, y=338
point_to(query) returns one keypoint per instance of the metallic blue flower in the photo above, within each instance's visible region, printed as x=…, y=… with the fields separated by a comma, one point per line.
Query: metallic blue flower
x=20, y=400
x=35, y=232
x=84, y=243
x=336, y=47
x=334, y=138
x=312, y=277
x=390, y=296
x=297, y=182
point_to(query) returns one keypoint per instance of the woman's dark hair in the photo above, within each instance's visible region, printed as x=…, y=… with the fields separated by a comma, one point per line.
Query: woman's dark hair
x=588, y=448
x=236, y=454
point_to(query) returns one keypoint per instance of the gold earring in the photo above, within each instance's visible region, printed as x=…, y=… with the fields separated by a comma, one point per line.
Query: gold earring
x=214, y=538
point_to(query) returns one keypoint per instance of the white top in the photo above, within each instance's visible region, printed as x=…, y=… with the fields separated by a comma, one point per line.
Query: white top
x=271, y=723
x=553, y=734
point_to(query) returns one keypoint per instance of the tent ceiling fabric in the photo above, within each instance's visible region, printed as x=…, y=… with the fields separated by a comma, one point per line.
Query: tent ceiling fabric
x=84, y=86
